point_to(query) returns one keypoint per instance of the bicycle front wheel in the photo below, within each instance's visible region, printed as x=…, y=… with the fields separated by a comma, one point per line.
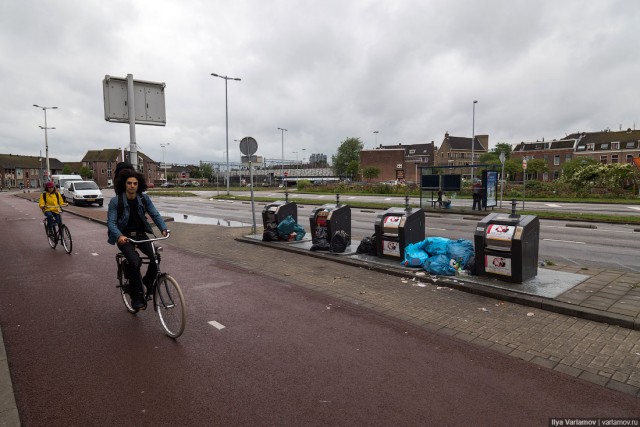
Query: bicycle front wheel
x=169, y=303
x=65, y=234
x=52, y=236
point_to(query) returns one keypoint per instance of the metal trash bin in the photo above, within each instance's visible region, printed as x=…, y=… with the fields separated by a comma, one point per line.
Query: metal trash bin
x=395, y=229
x=506, y=246
x=274, y=213
x=328, y=219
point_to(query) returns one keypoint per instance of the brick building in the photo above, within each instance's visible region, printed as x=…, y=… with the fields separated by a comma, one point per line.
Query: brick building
x=398, y=162
x=457, y=151
x=102, y=163
x=554, y=153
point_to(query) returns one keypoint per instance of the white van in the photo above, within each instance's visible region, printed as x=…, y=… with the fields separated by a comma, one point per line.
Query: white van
x=82, y=193
x=60, y=180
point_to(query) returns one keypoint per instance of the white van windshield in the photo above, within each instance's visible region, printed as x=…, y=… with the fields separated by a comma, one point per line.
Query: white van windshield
x=86, y=185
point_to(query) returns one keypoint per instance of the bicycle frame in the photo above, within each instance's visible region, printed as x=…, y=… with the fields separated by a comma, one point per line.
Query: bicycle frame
x=155, y=259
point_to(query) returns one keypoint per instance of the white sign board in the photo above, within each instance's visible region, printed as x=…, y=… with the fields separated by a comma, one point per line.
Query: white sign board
x=148, y=98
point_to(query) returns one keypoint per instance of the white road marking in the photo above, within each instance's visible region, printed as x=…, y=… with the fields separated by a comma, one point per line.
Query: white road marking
x=435, y=228
x=216, y=325
x=565, y=241
x=388, y=198
x=553, y=205
x=634, y=207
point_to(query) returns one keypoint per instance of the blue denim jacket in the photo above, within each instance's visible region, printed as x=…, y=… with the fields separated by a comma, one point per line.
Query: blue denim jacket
x=115, y=226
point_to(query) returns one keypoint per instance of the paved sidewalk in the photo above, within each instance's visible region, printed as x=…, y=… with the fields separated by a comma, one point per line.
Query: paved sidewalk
x=590, y=332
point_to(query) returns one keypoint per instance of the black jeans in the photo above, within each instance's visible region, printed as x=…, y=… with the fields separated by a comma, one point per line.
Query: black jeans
x=135, y=262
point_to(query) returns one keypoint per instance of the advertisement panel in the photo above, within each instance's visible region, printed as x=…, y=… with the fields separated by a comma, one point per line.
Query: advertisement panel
x=497, y=265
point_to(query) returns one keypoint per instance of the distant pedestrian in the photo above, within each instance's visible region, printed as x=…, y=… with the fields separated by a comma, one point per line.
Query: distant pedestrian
x=477, y=195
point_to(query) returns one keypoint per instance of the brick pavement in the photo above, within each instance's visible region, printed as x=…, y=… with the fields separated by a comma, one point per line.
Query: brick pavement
x=543, y=333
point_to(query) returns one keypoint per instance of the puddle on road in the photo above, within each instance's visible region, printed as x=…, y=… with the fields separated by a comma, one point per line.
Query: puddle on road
x=194, y=219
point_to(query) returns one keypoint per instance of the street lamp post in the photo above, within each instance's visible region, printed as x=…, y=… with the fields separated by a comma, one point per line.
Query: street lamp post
x=303, y=154
x=473, y=139
x=46, y=141
x=226, y=109
x=375, y=132
x=163, y=162
x=282, y=131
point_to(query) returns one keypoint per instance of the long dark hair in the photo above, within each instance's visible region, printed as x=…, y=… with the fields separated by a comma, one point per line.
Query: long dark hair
x=121, y=181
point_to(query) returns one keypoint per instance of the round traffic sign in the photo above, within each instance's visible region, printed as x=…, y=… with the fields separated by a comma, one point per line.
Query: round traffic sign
x=286, y=174
x=248, y=146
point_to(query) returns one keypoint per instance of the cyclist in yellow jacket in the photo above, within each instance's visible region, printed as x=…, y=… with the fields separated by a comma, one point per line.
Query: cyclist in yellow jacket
x=50, y=204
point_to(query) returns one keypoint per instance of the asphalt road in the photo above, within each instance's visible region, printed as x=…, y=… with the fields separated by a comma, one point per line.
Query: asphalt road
x=592, y=245
x=276, y=354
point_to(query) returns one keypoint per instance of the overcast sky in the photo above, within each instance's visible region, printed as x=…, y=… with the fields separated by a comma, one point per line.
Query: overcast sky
x=325, y=70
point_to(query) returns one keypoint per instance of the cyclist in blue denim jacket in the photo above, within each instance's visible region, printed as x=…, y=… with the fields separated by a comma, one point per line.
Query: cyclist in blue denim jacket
x=126, y=219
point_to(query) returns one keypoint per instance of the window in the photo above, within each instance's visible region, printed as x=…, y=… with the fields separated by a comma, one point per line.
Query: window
x=630, y=145
x=603, y=160
x=591, y=147
x=615, y=145
x=568, y=157
x=412, y=151
x=556, y=160
x=581, y=147
x=556, y=174
x=451, y=163
x=604, y=146
x=629, y=158
x=614, y=158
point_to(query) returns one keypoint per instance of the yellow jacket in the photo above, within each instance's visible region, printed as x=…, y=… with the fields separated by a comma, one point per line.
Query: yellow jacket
x=52, y=200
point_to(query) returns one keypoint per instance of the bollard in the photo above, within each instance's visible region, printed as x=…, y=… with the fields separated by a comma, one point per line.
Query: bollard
x=406, y=203
x=286, y=195
x=337, y=199
x=513, y=206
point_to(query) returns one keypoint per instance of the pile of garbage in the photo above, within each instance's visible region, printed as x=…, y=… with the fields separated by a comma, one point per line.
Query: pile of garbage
x=441, y=256
x=287, y=229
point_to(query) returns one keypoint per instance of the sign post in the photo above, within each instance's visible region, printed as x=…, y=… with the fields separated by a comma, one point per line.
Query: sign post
x=248, y=147
x=502, y=160
x=524, y=180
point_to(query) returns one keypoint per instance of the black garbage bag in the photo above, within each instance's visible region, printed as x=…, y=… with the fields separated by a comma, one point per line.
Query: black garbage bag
x=321, y=245
x=270, y=235
x=367, y=246
x=340, y=241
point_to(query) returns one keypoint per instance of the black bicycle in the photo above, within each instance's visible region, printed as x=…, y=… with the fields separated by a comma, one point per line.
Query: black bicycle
x=58, y=234
x=167, y=297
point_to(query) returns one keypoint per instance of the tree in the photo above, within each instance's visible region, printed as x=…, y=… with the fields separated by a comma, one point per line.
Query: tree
x=570, y=168
x=370, y=172
x=85, y=173
x=348, y=152
x=536, y=166
x=207, y=171
x=66, y=170
x=503, y=147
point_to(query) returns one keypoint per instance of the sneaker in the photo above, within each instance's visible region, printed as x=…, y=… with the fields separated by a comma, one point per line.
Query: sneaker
x=138, y=303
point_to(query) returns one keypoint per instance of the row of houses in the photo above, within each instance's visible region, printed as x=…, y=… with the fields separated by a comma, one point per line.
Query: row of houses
x=402, y=162
x=395, y=162
x=17, y=171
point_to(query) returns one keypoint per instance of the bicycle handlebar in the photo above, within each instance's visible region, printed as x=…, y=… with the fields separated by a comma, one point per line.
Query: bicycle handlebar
x=150, y=240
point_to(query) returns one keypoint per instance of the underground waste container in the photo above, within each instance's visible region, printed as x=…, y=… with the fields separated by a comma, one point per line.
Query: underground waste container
x=395, y=229
x=506, y=246
x=327, y=220
x=274, y=213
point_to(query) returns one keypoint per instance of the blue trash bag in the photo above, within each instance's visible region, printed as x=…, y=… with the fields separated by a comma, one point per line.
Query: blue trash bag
x=414, y=255
x=461, y=251
x=288, y=226
x=299, y=231
x=440, y=265
x=436, y=245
